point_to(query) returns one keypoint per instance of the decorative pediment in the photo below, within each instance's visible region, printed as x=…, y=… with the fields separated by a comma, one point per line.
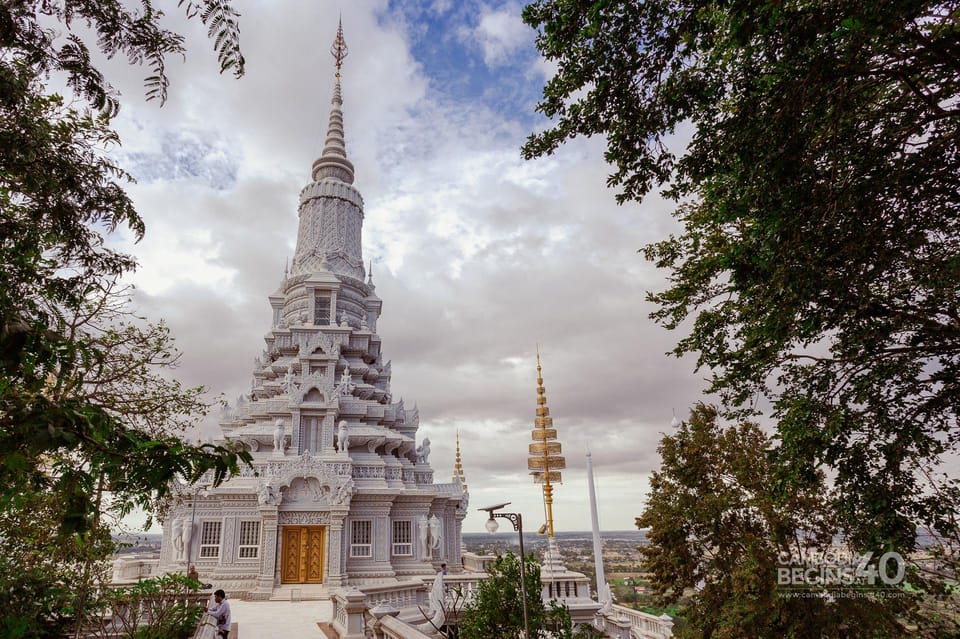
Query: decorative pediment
x=309, y=344
x=305, y=480
x=316, y=388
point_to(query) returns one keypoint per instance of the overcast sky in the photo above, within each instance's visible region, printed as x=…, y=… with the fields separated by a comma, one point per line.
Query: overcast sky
x=477, y=254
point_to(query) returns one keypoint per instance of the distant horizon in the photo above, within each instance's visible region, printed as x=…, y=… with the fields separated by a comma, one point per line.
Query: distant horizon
x=478, y=533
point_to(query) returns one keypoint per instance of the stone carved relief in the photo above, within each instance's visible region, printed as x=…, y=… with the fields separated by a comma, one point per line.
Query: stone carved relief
x=304, y=518
x=304, y=465
x=177, y=537
x=368, y=472
x=228, y=537
x=435, y=537
x=307, y=490
x=393, y=473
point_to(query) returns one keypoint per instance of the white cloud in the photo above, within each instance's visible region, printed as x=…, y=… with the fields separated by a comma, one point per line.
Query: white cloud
x=500, y=33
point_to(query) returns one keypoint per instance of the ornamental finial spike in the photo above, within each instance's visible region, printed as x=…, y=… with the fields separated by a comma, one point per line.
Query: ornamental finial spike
x=333, y=162
x=339, y=48
x=458, y=467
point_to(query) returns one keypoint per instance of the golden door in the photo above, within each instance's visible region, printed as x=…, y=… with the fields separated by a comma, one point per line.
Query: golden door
x=301, y=556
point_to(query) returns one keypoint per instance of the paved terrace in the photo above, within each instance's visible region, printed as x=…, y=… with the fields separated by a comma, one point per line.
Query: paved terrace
x=280, y=619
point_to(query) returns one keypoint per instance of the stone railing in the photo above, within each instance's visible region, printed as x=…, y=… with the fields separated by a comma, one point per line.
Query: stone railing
x=467, y=584
x=392, y=628
x=405, y=594
x=131, y=568
x=207, y=628
x=472, y=562
x=349, y=608
x=353, y=609
x=625, y=623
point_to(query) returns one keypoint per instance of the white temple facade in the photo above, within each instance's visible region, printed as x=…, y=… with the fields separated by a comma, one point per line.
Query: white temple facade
x=341, y=493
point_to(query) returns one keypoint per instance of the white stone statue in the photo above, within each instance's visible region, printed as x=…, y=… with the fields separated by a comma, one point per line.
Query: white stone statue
x=267, y=496
x=343, y=319
x=302, y=317
x=343, y=437
x=424, y=532
x=437, y=596
x=176, y=535
x=288, y=380
x=423, y=451
x=344, y=492
x=435, y=535
x=346, y=382
x=187, y=534
x=279, y=437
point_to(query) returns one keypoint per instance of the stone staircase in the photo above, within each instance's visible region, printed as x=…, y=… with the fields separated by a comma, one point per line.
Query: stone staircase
x=300, y=592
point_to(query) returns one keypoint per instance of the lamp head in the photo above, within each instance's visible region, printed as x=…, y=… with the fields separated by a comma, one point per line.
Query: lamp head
x=490, y=509
x=492, y=525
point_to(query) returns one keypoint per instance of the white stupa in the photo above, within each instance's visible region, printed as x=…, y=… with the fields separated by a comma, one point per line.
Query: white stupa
x=341, y=493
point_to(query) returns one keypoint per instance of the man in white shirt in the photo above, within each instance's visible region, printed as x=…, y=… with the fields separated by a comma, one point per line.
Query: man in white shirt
x=222, y=613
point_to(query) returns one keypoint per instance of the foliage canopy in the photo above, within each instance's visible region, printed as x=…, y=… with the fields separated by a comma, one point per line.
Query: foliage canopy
x=87, y=423
x=818, y=269
x=497, y=608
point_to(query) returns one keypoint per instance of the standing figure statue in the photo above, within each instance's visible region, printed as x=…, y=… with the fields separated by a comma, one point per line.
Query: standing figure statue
x=423, y=451
x=435, y=535
x=187, y=535
x=288, y=383
x=279, y=437
x=176, y=534
x=346, y=385
x=343, y=437
x=424, y=532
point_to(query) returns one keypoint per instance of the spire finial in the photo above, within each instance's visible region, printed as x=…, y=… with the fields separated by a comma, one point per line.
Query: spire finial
x=333, y=162
x=370, y=273
x=339, y=48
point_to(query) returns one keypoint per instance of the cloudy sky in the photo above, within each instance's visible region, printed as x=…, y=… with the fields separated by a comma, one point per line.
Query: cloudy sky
x=478, y=255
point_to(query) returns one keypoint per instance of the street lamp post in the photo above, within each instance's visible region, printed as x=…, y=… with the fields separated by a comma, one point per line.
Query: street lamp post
x=517, y=521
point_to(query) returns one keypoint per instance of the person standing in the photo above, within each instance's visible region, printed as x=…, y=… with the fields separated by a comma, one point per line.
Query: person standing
x=222, y=613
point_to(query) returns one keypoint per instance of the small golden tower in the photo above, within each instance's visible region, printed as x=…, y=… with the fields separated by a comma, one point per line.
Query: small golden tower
x=545, y=461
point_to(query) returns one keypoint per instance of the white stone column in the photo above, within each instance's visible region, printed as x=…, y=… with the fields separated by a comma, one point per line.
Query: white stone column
x=268, y=551
x=335, y=576
x=227, y=538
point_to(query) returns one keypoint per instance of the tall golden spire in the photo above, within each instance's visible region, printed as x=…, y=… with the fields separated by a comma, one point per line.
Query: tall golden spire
x=458, y=467
x=545, y=461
